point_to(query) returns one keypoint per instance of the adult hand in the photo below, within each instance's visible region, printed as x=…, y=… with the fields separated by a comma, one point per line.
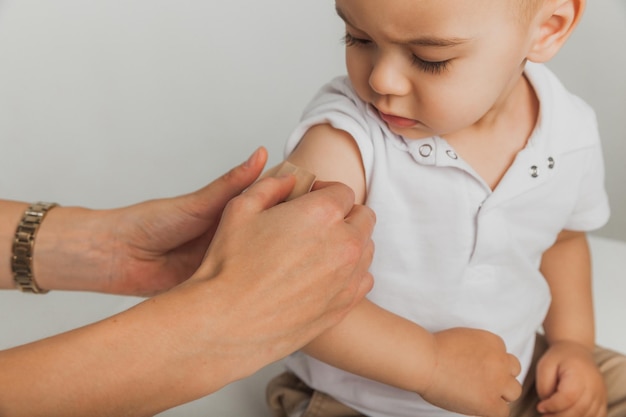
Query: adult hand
x=142, y=249
x=164, y=241
x=275, y=276
x=287, y=272
x=473, y=374
x=569, y=383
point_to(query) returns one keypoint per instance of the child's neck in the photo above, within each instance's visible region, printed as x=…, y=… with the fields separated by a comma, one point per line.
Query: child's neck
x=491, y=144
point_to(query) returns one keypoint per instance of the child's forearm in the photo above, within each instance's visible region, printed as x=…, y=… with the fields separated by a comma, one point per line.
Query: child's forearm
x=567, y=269
x=376, y=344
x=463, y=370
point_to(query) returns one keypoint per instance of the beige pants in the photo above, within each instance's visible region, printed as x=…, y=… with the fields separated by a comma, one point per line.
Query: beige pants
x=286, y=393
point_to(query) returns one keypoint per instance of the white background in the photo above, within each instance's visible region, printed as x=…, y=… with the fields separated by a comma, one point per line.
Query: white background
x=105, y=103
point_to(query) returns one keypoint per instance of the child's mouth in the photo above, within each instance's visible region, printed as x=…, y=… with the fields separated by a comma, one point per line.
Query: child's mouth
x=397, y=121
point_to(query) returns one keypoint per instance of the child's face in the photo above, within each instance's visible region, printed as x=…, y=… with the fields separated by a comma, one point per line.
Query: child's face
x=434, y=67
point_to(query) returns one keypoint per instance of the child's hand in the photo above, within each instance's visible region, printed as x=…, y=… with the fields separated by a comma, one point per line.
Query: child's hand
x=569, y=383
x=473, y=374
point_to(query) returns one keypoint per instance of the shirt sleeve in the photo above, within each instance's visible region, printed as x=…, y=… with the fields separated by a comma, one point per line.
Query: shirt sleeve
x=338, y=105
x=592, y=208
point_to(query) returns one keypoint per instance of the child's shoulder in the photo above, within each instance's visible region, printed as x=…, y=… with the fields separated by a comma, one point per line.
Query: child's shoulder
x=338, y=93
x=563, y=114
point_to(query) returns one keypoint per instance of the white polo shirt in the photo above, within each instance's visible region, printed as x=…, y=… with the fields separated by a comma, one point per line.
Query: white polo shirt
x=451, y=252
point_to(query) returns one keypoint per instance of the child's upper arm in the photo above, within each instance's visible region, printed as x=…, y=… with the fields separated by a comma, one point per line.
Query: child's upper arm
x=332, y=155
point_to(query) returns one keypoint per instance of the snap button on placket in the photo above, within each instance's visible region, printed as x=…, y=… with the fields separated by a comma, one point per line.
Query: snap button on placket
x=452, y=154
x=425, y=150
x=534, y=170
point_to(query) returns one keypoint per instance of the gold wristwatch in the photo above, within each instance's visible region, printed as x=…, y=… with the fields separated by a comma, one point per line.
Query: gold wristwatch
x=23, y=244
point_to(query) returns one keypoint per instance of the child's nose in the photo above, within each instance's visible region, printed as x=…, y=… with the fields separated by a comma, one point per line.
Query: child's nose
x=387, y=77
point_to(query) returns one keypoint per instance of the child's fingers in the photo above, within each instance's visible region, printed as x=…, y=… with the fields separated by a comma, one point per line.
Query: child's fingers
x=546, y=384
x=555, y=404
x=567, y=395
x=512, y=391
x=547, y=377
x=516, y=367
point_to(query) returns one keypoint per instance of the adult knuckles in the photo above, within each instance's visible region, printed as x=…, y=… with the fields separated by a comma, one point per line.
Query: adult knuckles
x=369, y=251
x=256, y=198
x=366, y=214
x=352, y=249
x=239, y=205
x=326, y=210
x=336, y=197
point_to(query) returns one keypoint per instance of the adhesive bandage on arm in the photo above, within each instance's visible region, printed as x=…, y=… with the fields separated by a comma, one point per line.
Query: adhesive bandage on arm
x=304, y=179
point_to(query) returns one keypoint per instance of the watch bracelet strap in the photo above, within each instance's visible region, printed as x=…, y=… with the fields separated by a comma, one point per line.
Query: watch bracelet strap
x=23, y=245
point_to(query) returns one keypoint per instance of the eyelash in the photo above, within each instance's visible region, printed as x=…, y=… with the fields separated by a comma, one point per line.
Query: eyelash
x=431, y=67
x=350, y=40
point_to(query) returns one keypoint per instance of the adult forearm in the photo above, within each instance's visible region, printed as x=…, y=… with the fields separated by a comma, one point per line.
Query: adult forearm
x=72, y=251
x=240, y=310
x=137, y=363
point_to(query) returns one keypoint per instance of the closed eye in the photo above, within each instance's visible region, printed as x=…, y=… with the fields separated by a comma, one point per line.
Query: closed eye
x=350, y=40
x=431, y=67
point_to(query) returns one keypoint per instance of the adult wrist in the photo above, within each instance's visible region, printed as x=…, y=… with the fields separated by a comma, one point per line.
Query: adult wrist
x=72, y=246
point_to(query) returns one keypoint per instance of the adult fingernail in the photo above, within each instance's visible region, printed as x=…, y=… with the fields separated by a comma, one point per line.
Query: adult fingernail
x=252, y=159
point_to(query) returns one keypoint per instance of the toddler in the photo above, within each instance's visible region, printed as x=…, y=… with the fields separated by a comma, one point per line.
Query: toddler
x=485, y=174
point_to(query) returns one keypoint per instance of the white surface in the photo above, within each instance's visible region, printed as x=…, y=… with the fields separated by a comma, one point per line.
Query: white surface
x=609, y=285
x=56, y=312
x=119, y=101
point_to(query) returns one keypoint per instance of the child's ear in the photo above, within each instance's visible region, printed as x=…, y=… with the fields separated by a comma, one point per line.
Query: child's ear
x=554, y=23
